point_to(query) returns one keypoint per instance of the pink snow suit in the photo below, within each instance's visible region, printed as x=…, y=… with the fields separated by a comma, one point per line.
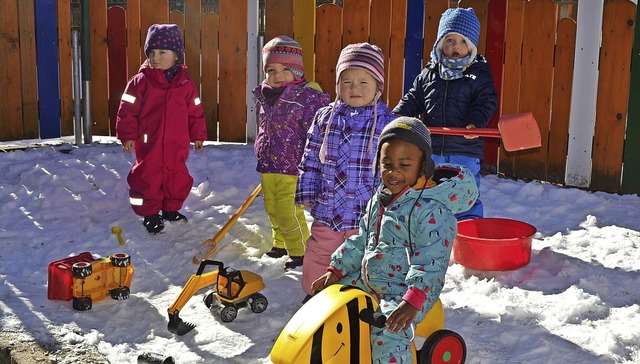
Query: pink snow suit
x=162, y=118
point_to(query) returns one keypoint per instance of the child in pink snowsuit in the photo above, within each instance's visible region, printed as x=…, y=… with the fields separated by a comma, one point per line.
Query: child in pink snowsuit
x=159, y=115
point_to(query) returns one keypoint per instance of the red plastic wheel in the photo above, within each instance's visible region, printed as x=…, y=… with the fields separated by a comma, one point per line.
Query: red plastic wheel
x=443, y=347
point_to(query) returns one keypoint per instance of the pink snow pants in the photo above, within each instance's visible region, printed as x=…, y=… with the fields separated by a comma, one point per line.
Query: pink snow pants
x=321, y=244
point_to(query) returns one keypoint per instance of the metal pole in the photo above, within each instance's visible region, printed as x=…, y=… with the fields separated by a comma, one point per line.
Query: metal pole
x=77, y=92
x=86, y=70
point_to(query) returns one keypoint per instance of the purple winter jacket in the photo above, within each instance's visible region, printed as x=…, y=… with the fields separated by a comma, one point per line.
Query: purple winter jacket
x=283, y=126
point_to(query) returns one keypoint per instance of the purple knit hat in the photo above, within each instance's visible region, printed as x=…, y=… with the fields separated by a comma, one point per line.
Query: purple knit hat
x=164, y=36
x=365, y=56
x=286, y=51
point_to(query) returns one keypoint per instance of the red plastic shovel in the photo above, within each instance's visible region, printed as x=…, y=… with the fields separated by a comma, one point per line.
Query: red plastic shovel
x=518, y=132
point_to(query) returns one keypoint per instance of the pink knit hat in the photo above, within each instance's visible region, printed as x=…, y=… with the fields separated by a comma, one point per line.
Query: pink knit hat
x=286, y=51
x=365, y=56
x=164, y=36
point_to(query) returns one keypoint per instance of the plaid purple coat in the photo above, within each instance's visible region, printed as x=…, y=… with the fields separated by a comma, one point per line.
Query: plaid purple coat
x=340, y=187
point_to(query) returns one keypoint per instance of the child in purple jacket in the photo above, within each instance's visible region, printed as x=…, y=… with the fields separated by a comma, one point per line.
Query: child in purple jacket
x=337, y=166
x=287, y=104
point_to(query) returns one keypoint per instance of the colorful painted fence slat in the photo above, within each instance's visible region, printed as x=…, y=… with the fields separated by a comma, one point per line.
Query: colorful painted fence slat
x=631, y=176
x=543, y=57
x=47, y=71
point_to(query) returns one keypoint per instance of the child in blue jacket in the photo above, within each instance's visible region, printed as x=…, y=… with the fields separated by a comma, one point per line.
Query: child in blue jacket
x=336, y=178
x=401, y=253
x=455, y=89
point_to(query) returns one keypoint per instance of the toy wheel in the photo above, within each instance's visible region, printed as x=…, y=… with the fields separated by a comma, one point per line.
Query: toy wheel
x=120, y=293
x=228, y=313
x=443, y=347
x=81, y=303
x=81, y=269
x=120, y=260
x=258, y=303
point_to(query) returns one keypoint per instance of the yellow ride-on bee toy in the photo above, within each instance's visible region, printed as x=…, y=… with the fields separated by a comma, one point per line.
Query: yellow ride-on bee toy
x=231, y=289
x=334, y=327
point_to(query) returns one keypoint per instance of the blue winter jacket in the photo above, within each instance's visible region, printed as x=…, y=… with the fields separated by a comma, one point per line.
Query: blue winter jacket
x=403, y=248
x=471, y=99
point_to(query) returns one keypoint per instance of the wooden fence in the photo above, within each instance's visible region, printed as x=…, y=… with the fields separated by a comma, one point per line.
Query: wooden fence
x=583, y=90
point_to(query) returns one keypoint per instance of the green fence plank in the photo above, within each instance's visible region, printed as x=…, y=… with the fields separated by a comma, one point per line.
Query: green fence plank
x=631, y=171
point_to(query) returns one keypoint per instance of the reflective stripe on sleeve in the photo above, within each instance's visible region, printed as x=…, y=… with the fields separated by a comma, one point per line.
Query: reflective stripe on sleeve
x=128, y=98
x=135, y=201
x=145, y=137
x=197, y=101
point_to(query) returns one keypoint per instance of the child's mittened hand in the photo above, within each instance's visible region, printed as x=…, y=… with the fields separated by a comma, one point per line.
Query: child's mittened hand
x=127, y=145
x=198, y=145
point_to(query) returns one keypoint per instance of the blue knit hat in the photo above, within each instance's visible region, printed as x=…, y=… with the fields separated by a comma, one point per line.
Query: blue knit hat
x=461, y=21
x=164, y=36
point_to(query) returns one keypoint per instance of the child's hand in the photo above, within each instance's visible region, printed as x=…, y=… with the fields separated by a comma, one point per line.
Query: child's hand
x=401, y=318
x=198, y=145
x=470, y=136
x=324, y=281
x=127, y=145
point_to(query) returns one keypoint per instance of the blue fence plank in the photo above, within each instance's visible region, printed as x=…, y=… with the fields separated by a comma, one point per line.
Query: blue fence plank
x=413, y=42
x=47, y=71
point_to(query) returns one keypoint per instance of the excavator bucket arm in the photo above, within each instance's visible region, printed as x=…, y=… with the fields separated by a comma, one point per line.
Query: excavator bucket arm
x=195, y=283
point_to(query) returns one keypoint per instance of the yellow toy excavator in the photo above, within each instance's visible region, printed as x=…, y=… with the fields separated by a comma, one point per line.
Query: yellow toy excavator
x=231, y=289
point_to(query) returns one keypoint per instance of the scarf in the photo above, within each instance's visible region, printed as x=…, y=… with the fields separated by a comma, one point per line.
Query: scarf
x=452, y=68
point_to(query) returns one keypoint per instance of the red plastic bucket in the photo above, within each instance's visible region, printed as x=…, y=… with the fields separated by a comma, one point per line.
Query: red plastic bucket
x=493, y=244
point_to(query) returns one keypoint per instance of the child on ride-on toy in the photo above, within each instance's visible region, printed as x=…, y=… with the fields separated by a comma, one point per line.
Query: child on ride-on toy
x=402, y=250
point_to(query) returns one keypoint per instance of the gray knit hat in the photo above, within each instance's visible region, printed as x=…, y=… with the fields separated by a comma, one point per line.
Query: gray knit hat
x=413, y=131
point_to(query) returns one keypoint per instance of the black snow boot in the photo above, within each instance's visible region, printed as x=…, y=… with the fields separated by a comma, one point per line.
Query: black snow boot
x=173, y=216
x=153, y=223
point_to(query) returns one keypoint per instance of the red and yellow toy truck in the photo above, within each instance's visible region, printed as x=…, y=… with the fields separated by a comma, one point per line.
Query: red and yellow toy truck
x=84, y=279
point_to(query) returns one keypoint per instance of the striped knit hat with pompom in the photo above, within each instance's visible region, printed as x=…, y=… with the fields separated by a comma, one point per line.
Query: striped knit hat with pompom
x=365, y=56
x=286, y=51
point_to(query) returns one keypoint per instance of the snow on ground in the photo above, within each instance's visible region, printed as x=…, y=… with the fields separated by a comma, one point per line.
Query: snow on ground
x=576, y=301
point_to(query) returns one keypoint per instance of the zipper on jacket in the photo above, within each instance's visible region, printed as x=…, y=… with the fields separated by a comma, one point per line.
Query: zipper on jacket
x=444, y=113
